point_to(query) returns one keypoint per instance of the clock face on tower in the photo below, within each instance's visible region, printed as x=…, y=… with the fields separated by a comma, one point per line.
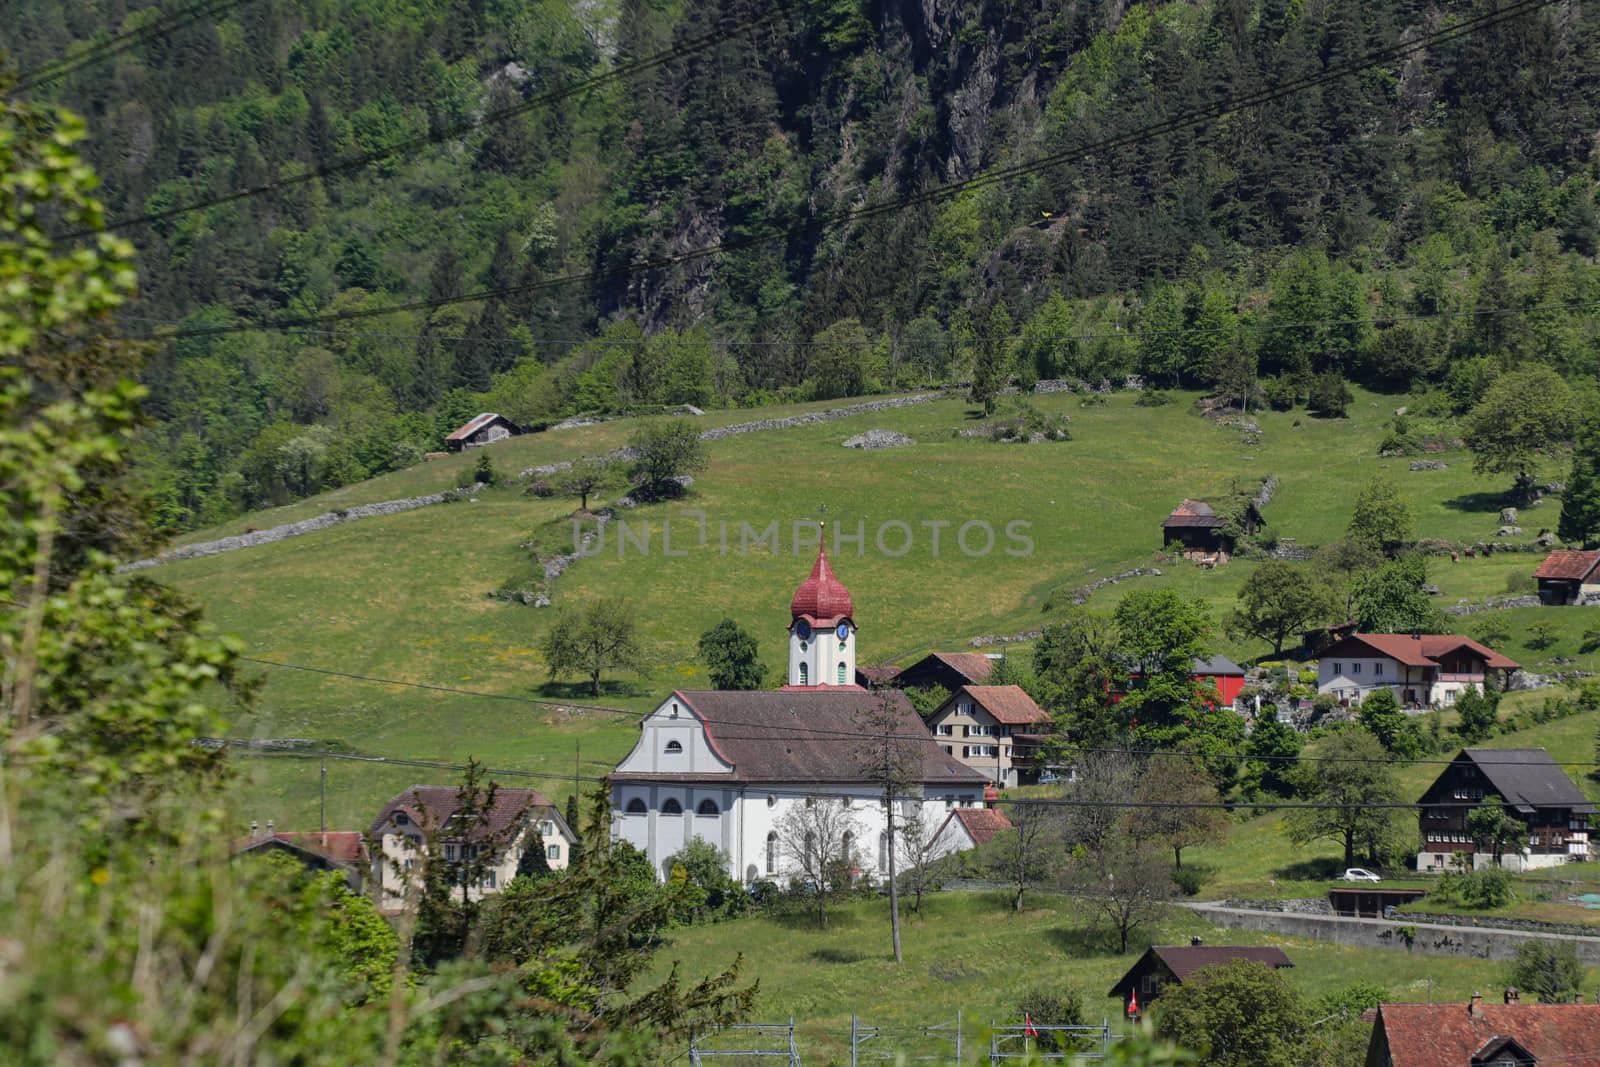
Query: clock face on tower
x=843, y=630
x=803, y=629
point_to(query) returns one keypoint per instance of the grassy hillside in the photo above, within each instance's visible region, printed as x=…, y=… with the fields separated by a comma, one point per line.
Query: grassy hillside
x=970, y=952
x=404, y=596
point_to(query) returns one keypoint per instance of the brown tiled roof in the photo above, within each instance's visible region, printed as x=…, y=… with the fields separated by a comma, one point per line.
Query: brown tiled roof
x=879, y=674
x=974, y=666
x=1009, y=704
x=340, y=846
x=1196, y=513
x=806, y=735
x=1425, y=650
x=1448, y=1035
x=981, y=824
x=1569, y=565
x=430, y=807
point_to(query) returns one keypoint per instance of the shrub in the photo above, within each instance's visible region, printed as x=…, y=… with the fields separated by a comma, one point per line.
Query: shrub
x=1192, y=878
x=1541, y=635
x=484, y=473
x=1550, y=970
x=1488, y=888
x=1153, y=398
x=542, y=490
x=1054, y=1006
x=1279, y=393
x=1591, y=640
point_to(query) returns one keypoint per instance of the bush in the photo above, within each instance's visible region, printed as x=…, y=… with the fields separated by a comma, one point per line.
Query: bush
x=484, y=473
x=1193, y=877
x=1488, y=888
x=1052, y=1006
x=542, y=490
x=1279, y=393
x=1153, y=398
x=1550, y=970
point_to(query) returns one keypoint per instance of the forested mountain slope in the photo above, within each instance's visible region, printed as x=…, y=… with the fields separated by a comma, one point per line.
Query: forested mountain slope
x=1423, y=223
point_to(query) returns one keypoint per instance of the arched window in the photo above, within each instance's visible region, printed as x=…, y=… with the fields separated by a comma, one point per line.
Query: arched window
x=772, y=853
x=636, y=807
x=883, y=851
x=804, y=674
x=707, y=807
x=674, y=746
x=841, y=674
x=849, y=850
x=670, y=806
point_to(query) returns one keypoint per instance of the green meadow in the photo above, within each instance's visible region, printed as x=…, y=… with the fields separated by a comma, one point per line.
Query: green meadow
x=405, y=597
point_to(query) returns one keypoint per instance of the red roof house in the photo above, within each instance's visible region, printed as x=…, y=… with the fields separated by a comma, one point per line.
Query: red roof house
x=332, y=850
x=987, y=727
x=1566, y=577
x=966, y=828
x=1511, y=1034
x=1423, y=670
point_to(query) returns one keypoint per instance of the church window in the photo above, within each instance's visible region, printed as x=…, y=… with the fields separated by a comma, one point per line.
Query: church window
x=841, y=674
x=883, y=851
x=636, y=807
x=804, y=674
x=707, y=807
x=849, y=850
x=772, y=853
x=671, y=807
x=674, y=746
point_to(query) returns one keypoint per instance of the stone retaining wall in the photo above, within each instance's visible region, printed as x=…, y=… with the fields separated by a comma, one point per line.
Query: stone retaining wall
x=1433, y=939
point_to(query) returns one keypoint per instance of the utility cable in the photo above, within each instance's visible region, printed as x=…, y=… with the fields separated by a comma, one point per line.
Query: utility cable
x=455, y=130
x=820, y=223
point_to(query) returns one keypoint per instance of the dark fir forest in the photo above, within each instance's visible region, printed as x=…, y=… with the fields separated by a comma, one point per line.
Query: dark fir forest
x=627, y=206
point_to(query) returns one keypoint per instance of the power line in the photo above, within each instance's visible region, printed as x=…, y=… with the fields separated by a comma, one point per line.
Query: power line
x=458, y=129
x=1015, y=338
x=164, y=26
x=801, y=730
x=1181, y=121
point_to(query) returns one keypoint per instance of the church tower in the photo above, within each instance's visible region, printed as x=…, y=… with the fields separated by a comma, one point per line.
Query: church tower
x=822, y=630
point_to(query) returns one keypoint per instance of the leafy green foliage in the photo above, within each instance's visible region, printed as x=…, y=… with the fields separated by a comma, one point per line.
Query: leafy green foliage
x=591, y=639
x=1243, y=1014
x=1382, y=519
x=1580, y=502
x=1280, y=599
x=1523, y=415
x=731, y=657
x=1391, y=599
x=1356, y=779
x=663, y=453
x=1549, y=970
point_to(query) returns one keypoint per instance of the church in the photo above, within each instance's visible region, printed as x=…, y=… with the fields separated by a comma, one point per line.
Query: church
x=727, y=766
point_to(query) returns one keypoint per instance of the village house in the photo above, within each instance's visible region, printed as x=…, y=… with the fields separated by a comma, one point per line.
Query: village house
x=1195, y=531
x=1536, y=792
x=728, y=767
x=483, y=429
x=945, y=670
x=966, y=828
x=344, y=851
x=1218, y=673
x=518, y=819
x=1164, y=965
x=1568, y=577
x=1423, y=670
x=987, y=728
x=1476, y=1034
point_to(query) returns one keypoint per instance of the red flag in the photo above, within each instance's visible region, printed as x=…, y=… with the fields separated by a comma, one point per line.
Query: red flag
x=1133, y=1003
x=1028, y=1027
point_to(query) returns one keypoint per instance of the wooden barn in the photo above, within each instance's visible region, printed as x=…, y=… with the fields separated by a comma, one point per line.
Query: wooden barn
x=482, y=430
x=1566, y=577
x=1196, y=531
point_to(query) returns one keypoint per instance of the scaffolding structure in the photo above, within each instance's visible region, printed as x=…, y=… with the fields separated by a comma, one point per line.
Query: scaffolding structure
x=1022, y=1043
x=761, y=1041
x=942, y=1035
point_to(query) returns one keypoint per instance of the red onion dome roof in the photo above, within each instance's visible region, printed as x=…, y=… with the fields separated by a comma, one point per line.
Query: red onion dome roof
x=821, y=597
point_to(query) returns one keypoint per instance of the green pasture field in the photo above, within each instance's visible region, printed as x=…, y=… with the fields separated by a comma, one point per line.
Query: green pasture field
x=404, y=596
x=969, y=951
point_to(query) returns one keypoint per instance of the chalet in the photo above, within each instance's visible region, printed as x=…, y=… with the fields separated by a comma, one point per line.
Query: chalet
x=1476, y=1034
x=1163, y=965
x=946, y=670
x=966, y=828
x=1196, y=530
x=483, y=429
x=344, y=851
x=993, y=729
x=519, y=817
x=1567, y=577
x=1423, y=670
x=1214, y=672
x=729, y=767
x=1536, y=792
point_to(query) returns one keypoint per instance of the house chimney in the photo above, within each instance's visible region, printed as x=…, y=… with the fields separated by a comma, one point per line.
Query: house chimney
x=1577, y=998
x=255, y=828
x=1195, y=941
x=269, y=828
x=1513, y=997
x=1475, y=1008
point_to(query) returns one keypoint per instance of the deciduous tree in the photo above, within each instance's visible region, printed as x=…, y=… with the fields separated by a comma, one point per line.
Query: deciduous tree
x=1280, y=598
x=1580, y=502
x=665, y=451
x=1352, y=786
x=599, y=636
x=1382, y=520
x=1525, y=414
x=731, y=657
x=1239, y=1014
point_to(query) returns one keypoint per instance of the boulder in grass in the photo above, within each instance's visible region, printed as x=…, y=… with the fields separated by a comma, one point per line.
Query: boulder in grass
x=879, y=439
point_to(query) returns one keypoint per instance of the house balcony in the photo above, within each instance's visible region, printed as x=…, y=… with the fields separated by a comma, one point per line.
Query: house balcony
x=1462, y=678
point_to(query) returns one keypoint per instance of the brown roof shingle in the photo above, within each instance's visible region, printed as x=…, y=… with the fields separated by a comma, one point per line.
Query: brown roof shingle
x=1447, y=1035
x=981, y=824
x=1194, y=513
x=431, y=806
x=806, y=735
x=1009, y=704
x=341, y=846
x=1424, y=650
x=1184, y=960
x=1568, y=565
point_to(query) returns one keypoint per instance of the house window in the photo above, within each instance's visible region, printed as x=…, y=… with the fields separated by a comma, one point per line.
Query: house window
x=772, y=853
x=1338, y=668
x=488, y=880
x=944, y=729
x=547, y=829
x=805, y=675
x=671, y=807
x=1377, y=668
x=451, y=853
x=636, y=807
x=1355, y=668
x=883, y=851
x=552, y=852
x=949, y=750
x=401, y=818
x=841, y=674
x=707, y=807
x=674, y=746
x=979, y=730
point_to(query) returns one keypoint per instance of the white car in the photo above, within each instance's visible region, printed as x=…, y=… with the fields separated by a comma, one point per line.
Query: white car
x=1360, y=874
